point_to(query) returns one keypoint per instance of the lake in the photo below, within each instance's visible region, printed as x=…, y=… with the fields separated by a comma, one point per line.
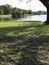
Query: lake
x=34, y=18
x=28, y=18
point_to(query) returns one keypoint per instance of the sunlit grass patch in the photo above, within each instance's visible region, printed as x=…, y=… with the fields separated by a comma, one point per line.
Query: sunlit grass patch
x=5, y=16
x=17, y=28
x=1, y=50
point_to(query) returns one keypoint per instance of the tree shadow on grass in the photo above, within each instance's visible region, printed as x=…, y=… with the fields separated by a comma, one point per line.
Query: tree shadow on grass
x=26, y=49
x=17, y=29
x=9, y=34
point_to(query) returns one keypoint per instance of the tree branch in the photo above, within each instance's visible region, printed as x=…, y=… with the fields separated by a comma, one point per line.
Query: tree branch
x=45, y=2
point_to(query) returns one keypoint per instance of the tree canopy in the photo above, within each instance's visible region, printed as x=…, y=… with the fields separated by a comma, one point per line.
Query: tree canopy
x=45, y=2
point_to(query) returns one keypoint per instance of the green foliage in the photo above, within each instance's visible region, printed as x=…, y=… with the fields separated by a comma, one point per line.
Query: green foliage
x=19, y=13
x=6, y=8
x=1, y=12
x=15, y=12
x=29, y=12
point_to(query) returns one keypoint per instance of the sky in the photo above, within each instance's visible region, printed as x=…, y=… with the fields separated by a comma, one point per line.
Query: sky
x=34, y=5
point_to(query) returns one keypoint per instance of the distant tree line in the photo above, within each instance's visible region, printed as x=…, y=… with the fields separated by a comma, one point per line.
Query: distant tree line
x=5, y=9
x=15, y=12
x=40, y=13
x=19, y=13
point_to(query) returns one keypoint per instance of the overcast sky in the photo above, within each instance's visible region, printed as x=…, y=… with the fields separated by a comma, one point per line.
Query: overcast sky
x=34, y=5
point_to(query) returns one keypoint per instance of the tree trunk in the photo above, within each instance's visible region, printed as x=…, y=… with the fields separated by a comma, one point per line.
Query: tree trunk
x=46, y=4
x=47, y=22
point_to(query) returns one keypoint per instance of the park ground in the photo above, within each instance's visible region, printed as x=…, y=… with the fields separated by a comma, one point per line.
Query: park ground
x=24, y=43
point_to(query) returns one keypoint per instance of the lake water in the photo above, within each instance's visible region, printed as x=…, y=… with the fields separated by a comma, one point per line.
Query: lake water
x=34, y=18
x=28, y=18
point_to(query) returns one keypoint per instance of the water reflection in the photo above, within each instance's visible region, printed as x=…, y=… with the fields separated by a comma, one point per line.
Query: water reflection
x=34, y=18
x=28, y=18
x=5, y=19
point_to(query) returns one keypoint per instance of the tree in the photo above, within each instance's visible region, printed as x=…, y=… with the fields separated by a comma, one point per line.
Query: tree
x=30, y=12
x=46, y=3
x=1, y=12
x=6, y=8
x=16, y=13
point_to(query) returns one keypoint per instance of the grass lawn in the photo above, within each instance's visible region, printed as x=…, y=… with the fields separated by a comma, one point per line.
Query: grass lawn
x=20, y=43
x=5, y=16
x=20, y=28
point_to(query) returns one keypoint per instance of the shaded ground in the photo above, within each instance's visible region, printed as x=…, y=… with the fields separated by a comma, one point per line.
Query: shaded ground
x=27, y=44
x=19, y=51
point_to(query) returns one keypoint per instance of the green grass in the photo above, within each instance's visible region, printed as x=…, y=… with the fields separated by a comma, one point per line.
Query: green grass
x=27, y=29
x=22, y=28
x=18, y=39
x=5, y=16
